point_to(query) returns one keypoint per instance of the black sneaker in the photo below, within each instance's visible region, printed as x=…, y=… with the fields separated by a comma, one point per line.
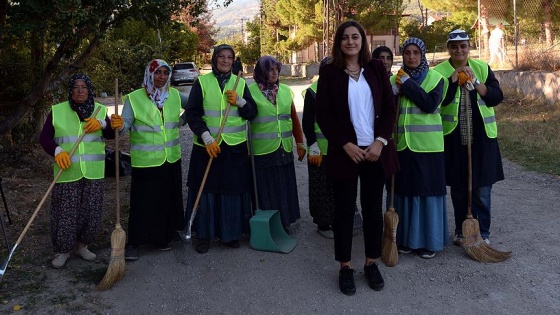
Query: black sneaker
x=131, y=252
x=373, y=276
x=232, y=244
x=202, y=246
x=346, y=280
x=163, y=247
x=404, y=249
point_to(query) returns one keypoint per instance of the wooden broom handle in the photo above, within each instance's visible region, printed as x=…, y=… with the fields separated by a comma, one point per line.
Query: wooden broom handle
x=395, y=138
x=117, y=156
x=52, y=185
x=469, y=152
x=203, y=183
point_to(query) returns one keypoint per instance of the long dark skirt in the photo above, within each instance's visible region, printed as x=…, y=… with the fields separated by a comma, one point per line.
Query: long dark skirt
x=222, y=216
x=321, y=198
x=156, y=204
x=277, y=189
x=76, y=210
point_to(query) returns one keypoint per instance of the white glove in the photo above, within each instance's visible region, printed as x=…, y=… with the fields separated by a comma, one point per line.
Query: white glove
x=314, y=149
x=396, y=89
x=240, y=101
x=207, y=138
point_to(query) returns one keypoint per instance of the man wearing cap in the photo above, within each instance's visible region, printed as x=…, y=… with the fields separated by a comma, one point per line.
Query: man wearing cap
x=475, y=79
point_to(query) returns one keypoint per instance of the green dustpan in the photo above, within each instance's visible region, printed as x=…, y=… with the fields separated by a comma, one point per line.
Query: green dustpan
x=267, y=233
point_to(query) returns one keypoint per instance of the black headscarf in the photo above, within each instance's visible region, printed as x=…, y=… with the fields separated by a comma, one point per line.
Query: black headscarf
x=377, y=52
x=85, y=109
x=222, y=77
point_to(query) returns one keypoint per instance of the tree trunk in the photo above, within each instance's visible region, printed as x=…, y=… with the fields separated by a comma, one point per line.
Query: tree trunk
x=47, y=83
x=547, y=21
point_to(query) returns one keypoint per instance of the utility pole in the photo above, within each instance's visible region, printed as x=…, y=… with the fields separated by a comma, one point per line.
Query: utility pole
x=243, y=19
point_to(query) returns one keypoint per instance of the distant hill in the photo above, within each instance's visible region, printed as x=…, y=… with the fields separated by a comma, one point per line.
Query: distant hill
x=230, y=19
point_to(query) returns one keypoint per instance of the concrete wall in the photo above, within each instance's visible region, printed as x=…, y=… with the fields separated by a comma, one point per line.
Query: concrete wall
x=533, y=83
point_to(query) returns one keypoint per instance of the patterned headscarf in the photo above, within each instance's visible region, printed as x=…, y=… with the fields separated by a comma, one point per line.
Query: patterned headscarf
x=221, y=77
x=85, y=109
x=262, y=68
x=418, y=74
x=158, y=96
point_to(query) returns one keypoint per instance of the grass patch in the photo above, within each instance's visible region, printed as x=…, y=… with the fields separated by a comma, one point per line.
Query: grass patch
x=528, y=132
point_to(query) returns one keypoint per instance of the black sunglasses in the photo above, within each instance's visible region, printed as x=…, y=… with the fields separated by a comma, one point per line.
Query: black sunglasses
x=458, y=34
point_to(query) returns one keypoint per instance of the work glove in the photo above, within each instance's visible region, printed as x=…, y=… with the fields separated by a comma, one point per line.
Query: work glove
x=92, y=125
x=235, y=99
x=212, y=147
x=116, y=122
x=463, y=78
x=402, y=76
x=395, y=88
x=63, y=160
x=300, y=151
x=315, y=159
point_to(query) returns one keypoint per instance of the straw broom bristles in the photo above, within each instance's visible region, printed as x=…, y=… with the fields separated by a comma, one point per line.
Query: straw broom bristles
x=473, y=243
x=115, y=271
x=475, y=246
x=389, y=251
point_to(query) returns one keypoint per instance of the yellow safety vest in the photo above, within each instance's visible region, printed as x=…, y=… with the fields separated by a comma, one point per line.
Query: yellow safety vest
x=322, y=142
x=450, y=113
x=89, y=158
x=152, y=142
x=418, y=130
x=214, y=104
x=273, y=124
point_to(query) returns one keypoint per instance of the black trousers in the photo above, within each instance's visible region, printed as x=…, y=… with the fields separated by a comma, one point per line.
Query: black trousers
x=371, y=199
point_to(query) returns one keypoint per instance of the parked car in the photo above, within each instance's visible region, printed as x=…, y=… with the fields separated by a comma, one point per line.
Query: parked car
x=184, y=72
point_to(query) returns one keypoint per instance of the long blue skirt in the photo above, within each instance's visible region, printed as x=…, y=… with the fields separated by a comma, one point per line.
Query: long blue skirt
x=222, y=216
x=422, y=222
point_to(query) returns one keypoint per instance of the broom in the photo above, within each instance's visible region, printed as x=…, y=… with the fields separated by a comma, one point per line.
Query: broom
x=116, y=268
x=473, y=243
x=389, y=251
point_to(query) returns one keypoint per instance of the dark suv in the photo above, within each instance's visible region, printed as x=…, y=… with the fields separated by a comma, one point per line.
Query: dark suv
x=184, y=72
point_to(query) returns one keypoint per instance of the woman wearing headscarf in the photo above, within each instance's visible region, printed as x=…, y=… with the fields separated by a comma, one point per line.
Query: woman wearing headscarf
x=151, y=113
x=272, y=132
x=384, y=54
x=225, y=204
x=77, y=196
x=420, y=184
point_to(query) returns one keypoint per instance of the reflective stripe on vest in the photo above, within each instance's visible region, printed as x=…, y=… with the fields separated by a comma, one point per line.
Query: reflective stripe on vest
x=214, y=104
x=321, y=140
x=152, y=142
x=418, y=130
x=273, y=124
x=450, y=113
x=89, y=158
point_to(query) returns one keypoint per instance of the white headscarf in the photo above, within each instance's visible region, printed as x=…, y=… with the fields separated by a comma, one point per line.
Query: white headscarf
x=158, y=96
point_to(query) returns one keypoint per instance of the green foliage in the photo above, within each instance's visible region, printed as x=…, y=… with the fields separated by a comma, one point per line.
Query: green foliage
x=434, y=36
x=251, y=52
x=55, y=38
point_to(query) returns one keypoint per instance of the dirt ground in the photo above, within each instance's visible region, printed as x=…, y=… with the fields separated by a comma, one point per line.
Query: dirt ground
x=246, y=281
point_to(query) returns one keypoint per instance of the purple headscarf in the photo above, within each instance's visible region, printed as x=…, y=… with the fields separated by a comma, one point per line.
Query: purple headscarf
x=262, y=68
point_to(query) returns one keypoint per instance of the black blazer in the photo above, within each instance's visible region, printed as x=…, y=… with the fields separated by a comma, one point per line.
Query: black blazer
x=333, y=117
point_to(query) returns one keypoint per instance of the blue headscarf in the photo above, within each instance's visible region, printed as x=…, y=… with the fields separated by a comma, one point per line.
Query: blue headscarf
x=418, y=74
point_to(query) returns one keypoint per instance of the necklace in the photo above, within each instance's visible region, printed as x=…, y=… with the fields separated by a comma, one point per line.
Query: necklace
x=354, y=74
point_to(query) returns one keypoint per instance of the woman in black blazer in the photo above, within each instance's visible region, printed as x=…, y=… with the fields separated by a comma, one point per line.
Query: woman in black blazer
x=356, y=112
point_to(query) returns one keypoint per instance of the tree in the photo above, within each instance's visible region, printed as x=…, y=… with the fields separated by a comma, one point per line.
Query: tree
x=60, y=36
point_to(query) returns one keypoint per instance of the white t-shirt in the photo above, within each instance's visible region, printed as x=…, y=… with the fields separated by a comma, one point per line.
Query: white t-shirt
x=362, y=113
x=496, y=37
